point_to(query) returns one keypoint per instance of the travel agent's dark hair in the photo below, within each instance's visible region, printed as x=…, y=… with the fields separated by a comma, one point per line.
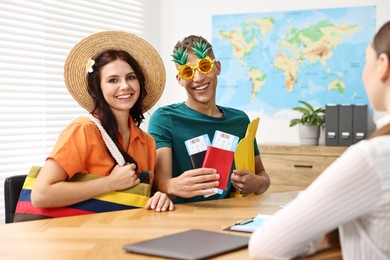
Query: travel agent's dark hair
x=381, y=44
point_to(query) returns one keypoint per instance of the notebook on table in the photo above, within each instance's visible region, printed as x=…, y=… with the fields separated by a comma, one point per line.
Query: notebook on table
x=192, y=244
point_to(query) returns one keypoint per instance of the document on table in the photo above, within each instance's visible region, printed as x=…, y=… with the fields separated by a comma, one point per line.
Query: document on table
x=249, y=225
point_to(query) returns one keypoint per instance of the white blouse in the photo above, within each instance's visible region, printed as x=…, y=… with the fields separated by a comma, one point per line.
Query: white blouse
x=353, y=194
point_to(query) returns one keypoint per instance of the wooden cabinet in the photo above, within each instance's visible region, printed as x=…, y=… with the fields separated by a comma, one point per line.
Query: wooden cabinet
x=295, y=167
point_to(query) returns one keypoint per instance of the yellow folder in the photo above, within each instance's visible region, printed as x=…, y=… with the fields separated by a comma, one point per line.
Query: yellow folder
x=244, y=156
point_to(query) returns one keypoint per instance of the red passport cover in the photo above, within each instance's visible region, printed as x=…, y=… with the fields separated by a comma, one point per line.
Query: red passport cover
x=221, y=160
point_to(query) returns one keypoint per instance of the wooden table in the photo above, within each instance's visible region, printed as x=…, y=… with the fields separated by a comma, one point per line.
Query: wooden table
x=101, y=236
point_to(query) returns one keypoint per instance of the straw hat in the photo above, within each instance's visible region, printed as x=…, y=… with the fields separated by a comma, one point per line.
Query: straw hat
x=75, y=73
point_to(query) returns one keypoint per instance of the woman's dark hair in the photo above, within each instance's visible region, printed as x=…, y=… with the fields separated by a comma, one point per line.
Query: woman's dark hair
x=102, y=109
x=381, y=41
x=385, y=130
x=381, y=44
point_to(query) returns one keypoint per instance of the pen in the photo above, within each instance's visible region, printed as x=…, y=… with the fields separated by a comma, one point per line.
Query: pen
x=243, y=222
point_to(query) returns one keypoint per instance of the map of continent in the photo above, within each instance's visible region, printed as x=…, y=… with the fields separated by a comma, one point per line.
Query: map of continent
x=270, y=61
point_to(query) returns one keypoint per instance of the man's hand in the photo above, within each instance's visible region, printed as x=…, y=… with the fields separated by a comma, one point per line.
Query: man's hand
x=247, y=182
x=197, y=182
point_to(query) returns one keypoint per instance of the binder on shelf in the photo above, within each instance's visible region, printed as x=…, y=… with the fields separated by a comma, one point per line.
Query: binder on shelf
x=345, y=125
x=363, y=123
x=332, y=125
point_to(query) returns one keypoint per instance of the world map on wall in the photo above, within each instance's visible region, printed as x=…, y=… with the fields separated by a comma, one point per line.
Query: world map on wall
x=270, y=61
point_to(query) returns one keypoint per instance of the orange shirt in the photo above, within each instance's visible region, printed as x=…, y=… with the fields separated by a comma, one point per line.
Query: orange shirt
x=81, y=149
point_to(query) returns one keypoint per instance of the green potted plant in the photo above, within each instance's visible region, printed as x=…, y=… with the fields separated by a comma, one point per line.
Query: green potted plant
x=309, y=123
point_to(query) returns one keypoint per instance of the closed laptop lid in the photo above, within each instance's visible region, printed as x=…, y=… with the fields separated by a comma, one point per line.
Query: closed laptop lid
x=191, y=244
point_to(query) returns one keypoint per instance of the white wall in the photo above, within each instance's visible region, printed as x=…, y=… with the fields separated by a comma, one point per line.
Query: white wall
x=178, y=19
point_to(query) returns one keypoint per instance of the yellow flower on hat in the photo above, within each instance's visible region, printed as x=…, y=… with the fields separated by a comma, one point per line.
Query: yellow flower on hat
x=89, y=67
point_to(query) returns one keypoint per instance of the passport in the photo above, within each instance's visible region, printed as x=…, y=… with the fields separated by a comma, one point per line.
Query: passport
x=197, y=159
x=196, y=148
x=222, y=161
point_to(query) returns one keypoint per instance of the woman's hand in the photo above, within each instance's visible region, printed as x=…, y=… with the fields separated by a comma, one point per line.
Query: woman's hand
x=159, y=202
x=123, y=177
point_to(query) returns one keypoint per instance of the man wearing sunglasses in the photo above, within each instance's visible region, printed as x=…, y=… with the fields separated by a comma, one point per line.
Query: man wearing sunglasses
x=199, y=115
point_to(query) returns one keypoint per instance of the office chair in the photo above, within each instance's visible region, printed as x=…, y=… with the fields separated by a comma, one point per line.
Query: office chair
x=12, y=187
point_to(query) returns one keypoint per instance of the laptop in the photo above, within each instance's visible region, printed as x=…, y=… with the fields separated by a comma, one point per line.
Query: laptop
x=191, y=244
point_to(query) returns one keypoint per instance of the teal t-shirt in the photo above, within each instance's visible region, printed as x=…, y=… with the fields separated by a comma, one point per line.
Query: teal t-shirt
x=174, y=124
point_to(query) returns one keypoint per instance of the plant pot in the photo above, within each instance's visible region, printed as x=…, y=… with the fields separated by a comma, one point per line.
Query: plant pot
x=309, y=134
